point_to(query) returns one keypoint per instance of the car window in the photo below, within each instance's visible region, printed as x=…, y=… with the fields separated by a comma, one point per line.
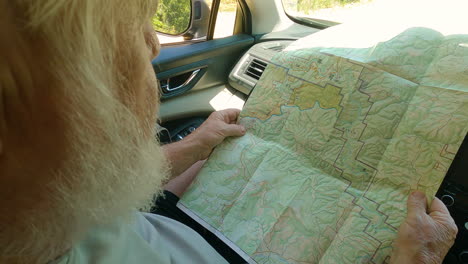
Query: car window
x=226, y=19
x=181, y=21
x=331, y=12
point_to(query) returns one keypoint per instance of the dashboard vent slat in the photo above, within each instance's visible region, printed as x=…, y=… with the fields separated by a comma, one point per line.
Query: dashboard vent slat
x=276, y=48
x=256, y=69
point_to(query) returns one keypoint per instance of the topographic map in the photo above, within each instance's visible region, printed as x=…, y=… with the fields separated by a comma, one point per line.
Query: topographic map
x=337, y=139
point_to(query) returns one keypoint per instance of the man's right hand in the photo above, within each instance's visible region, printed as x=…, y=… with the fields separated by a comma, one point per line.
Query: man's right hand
x=425, y=236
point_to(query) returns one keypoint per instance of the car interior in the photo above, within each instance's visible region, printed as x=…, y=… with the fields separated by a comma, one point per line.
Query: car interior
x=201, y=73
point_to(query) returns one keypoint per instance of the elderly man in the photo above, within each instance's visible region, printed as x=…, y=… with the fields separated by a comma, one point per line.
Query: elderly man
x=77, y=150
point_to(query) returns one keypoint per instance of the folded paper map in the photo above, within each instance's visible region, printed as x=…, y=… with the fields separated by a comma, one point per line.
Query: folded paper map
x=337, y=139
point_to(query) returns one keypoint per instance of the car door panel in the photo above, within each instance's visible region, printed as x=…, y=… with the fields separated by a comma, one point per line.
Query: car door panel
x=214, y=59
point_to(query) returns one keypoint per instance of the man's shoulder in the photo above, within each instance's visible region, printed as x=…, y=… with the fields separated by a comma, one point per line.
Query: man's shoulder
x=146, y=238
x=116, y=242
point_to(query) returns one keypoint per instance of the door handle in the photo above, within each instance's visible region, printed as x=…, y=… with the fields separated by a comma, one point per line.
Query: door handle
x=178, y=82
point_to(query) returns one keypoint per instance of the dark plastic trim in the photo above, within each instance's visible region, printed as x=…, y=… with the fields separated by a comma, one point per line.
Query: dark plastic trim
x=202, y=65
x=174, y=56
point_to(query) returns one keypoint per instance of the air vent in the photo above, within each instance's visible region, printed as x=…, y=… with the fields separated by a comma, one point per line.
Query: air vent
x=256, y=68
x=277, y=48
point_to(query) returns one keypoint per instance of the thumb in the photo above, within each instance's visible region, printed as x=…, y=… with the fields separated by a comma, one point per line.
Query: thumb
x=417, y=204
x=233, y=130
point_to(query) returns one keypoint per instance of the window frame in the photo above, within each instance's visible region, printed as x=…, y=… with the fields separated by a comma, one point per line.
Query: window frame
x=242, y=23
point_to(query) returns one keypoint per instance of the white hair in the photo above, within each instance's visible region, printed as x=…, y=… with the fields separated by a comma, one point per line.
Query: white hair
x=112, y=162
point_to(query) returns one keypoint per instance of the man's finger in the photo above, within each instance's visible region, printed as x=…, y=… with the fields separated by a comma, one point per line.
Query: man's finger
x=233, y=130
x=417, y=204
x=230, y=115
x=438, y=206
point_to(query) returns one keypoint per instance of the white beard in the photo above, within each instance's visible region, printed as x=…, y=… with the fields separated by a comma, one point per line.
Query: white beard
x=111, y=171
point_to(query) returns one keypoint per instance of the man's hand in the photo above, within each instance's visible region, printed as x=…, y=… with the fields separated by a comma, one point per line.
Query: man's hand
x=215, y=129
x=198, y=145
x=424, y=237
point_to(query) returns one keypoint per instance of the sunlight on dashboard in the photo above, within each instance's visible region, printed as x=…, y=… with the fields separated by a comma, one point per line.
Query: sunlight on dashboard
x=387, y=19
x=225, y=99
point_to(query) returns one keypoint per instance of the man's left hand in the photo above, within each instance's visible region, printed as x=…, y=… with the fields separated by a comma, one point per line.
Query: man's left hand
x=215, y=129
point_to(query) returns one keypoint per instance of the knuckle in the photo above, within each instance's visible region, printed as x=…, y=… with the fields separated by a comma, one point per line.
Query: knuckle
x=449, y=232
x=453, y=229
x=215, y=114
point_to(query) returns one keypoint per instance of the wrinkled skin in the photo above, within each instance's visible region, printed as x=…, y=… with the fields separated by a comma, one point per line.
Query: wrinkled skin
x=218, y=126
x=426, y=235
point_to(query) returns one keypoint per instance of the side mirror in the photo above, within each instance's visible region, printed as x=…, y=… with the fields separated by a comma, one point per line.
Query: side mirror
x=172, y=17
x=187, y=18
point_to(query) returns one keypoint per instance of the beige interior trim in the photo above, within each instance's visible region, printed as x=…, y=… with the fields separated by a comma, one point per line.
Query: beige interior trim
x=200, y=103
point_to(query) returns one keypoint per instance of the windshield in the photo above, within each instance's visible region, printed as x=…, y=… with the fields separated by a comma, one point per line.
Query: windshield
x=345, y=11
